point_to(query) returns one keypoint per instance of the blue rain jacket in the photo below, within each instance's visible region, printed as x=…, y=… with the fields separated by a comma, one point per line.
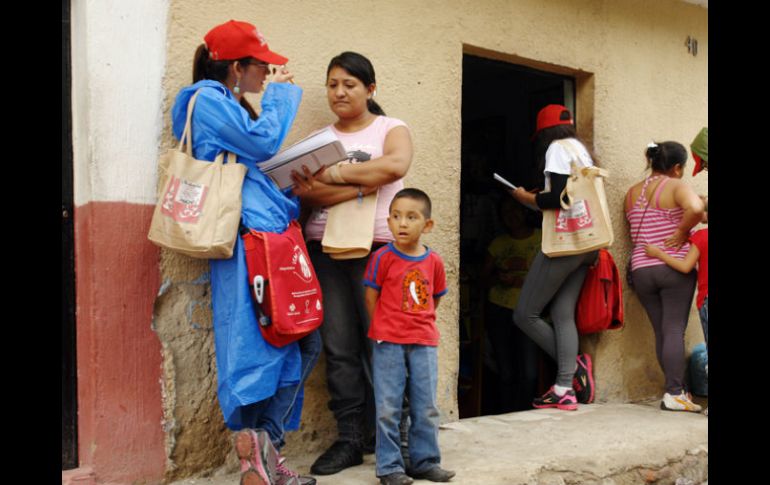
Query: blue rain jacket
x=249, y=369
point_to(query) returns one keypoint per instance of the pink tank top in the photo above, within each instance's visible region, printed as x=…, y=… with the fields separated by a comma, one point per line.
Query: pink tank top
x=657, y=225
x=366, y=144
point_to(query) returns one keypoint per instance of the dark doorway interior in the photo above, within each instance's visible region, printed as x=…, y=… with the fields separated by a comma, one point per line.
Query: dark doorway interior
x=500, y=102
x=69, y=456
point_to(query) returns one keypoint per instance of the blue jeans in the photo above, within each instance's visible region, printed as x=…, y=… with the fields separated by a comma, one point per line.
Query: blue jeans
x=390, y=364
x=704, y=320
x=273, y=414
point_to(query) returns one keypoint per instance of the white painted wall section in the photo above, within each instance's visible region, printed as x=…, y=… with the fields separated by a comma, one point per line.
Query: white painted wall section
x=118, y=61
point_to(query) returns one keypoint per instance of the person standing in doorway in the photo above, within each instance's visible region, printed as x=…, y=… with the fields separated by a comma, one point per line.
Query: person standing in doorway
x=556, y=282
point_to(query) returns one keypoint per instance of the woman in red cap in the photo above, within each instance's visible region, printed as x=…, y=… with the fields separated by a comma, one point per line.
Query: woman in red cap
x=259, y=385
x=661, y=210
x=556, y=281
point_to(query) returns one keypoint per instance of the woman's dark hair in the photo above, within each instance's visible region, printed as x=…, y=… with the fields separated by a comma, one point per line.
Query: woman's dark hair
x=359, y=67
x=205, y=68
x=546, y=136
x=665, y=156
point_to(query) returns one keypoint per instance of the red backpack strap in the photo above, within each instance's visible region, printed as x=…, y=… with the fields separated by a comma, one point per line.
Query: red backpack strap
x=617, y=295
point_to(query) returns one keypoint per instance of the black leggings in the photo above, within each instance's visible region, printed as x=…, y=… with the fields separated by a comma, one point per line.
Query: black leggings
x=666, y=295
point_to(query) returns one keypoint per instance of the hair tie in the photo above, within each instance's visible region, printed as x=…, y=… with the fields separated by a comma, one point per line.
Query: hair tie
x=652, y=144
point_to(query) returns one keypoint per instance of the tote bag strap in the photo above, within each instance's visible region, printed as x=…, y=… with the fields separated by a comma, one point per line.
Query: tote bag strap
x=575, y=163
x=186, y=139
x=185, y=143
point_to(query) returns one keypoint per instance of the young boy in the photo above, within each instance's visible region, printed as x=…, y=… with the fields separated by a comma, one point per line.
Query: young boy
x=698, y=253
x=404, y=282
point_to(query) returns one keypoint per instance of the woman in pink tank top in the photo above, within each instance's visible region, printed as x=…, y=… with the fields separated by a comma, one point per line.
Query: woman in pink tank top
x=661, y=210
x=380, y=148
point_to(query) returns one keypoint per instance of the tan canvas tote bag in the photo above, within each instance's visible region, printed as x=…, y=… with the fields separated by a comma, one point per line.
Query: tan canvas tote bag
x=199, y=204
x=350, y=228
x=583, y=224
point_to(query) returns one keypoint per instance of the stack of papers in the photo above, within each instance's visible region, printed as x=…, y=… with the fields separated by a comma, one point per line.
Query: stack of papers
x=319, y=149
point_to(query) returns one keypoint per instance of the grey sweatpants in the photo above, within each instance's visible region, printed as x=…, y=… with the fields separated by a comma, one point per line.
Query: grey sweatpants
x=557, y=281
x=666, y=295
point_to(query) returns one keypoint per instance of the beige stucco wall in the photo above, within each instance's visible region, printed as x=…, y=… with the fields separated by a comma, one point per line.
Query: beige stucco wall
x=637, y=82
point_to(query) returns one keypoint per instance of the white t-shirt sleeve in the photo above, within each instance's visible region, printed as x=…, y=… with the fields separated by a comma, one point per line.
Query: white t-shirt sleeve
x=557, y=158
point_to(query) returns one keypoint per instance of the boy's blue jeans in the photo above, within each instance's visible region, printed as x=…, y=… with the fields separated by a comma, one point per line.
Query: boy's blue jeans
x=704, y=319
x=273, y=414
x=390, y=363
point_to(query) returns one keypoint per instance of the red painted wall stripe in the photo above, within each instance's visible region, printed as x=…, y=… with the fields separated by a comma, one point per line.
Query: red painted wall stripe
x=119, y=356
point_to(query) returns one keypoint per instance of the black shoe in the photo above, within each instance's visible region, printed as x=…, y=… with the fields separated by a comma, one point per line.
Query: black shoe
x=369, y=446
x=341, y=455
x=397, y=478
x=435, y=474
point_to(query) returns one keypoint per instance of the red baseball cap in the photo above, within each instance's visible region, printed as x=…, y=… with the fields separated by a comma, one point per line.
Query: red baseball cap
x=551, y=116
x=235, y=40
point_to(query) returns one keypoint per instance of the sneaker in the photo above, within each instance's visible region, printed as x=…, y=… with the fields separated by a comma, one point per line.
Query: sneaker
x=251, y=477
x=567, y=402
x=341, y=455
x=583, y=382
x=435, y=474
x=681, y=402
x=257, y=455
x=397, y=478
x=286, y=476
x=706, y=412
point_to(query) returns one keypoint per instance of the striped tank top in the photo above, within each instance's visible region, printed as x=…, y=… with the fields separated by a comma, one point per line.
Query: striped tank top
x=657, y=225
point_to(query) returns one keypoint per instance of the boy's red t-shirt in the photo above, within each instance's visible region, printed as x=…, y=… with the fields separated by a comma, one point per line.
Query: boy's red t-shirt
x=701, y=240
x=405, y=313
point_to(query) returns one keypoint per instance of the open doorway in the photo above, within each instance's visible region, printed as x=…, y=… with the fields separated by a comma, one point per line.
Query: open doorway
x=501, y=369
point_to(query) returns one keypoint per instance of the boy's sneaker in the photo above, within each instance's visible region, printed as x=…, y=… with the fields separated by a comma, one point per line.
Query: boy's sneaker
x=341, y=455
x=257, y=455
x=567, y=402
x=397, y=478
x=583, y=382
x=680, y=402
x=435, y=474
x=285, y=476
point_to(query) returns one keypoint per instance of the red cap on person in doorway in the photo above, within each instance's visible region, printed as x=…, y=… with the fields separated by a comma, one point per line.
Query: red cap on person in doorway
x=235, y=40
x=552, y=115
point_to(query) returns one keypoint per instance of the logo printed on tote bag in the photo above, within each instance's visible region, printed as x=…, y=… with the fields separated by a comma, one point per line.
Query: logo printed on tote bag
x=184, y=200
x=575, y=218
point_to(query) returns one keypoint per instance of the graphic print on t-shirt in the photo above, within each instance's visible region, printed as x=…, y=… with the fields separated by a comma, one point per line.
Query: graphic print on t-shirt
x=415, y=292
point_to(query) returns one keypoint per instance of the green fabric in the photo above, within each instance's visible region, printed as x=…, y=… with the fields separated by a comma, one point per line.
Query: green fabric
x=700, y=145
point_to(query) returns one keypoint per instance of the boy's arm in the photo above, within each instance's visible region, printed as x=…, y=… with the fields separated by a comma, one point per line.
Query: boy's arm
x=436, y=301
x=370, y=298
x=682, y=265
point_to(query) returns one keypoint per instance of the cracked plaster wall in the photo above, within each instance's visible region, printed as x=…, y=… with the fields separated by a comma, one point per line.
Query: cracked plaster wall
x=643, y=86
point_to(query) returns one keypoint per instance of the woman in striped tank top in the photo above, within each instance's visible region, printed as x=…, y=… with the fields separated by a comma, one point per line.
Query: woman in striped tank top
x=661, y=210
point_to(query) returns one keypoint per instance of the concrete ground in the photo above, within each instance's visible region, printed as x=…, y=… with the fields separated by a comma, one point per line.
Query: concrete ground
x=599, y=444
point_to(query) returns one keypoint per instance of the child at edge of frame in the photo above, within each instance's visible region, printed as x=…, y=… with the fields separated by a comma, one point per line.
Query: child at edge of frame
x=405, y=281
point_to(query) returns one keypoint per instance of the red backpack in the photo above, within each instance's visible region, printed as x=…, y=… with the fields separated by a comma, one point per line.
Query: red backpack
x=600, y=304
x=284, y=287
